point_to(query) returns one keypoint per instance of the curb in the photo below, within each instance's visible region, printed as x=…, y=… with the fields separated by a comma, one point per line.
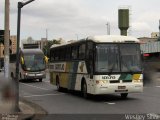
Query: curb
x=30, y=110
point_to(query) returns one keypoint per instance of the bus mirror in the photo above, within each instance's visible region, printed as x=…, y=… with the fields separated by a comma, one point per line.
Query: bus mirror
x=22, y=60
x=46, y=59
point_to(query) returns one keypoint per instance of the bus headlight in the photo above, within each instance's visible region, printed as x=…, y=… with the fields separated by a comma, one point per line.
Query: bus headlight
x=101, y=81
x=25, y=73
x=137, y=81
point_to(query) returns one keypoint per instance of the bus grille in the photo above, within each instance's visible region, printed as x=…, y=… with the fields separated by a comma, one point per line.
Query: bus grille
x=114, y=81
x=127, y=80
x=118, y=81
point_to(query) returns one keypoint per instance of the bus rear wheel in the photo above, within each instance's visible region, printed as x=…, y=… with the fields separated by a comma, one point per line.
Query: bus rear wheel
x=58, y=86
x=124, y=95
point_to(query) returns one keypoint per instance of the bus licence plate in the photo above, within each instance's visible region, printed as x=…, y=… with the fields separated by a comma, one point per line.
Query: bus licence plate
x=121, y=87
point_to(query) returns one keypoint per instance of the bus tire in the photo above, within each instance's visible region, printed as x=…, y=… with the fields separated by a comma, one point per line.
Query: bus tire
x=12, y=76
x=124, y=95
x=40, y=80
x=84, y=90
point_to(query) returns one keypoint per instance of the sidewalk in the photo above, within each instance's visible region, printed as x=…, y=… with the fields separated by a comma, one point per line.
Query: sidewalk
x=28, y=110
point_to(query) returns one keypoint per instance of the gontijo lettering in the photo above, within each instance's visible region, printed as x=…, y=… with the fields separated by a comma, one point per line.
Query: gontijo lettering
x=58, y=67
x=108, y=77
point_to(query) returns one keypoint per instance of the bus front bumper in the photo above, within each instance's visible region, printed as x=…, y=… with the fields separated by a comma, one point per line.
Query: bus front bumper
x=118, y=88
x=34, y=76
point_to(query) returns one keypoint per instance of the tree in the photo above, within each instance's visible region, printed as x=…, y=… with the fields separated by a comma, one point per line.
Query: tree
x=30, y=40
x=48, y=45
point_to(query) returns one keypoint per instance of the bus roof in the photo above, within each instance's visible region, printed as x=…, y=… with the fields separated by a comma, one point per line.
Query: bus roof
x=33, y=51
x=112, y=38
x=104, y=39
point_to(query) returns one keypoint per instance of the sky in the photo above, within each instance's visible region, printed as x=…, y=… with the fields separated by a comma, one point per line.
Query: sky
x=72, y=19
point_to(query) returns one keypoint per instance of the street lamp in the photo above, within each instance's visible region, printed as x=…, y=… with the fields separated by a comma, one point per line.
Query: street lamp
x=20, y=5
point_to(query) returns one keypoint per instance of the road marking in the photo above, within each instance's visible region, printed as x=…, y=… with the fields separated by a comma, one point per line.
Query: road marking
x=43, y=95
x=23, y=93
x=46, y=81
x=35, y=86
x=109, y=103
x=151, y=86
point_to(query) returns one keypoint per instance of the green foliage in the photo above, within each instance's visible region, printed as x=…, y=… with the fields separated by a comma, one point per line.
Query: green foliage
x=48, y=45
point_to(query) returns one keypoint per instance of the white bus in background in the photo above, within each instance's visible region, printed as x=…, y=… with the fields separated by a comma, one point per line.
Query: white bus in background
x=98, y=65
x=32, y=64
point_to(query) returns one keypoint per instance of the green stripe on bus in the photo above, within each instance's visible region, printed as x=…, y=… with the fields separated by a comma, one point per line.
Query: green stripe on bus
x=125, y=77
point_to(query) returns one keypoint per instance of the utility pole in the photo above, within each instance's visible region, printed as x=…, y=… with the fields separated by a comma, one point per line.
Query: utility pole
x=159, y=28
x=46, y=34
x=20, y=5
x=76, y=36
x=108, y=28
x=6, y=40
x=159, y=32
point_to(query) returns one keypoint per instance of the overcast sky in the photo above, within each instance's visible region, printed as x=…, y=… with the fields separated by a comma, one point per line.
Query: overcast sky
x=69, y=19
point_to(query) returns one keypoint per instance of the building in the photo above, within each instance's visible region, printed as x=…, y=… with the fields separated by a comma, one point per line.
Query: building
x=147, y=39
x=154, y=34
x=13, y=46
x=154, y=37
x=41, y=43
x=13, y=39
x=1, y=50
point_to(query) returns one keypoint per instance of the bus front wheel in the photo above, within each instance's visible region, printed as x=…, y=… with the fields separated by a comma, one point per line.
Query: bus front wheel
x=40, y=80
x=124, y=95
x=84, y=90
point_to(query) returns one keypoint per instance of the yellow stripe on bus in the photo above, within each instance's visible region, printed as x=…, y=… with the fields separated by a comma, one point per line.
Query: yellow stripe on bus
x=136, y=76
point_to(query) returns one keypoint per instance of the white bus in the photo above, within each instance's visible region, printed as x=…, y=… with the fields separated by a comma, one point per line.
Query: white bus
x=32, y=64
x=98, y=65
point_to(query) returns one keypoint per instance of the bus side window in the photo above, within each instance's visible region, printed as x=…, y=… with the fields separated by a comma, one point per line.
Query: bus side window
x=51, y=55
x=90, y=58
x=82, y=51
x=89, y=50
x=74, y=52
x=68, y=53
x=62, y=54
x=56, y=55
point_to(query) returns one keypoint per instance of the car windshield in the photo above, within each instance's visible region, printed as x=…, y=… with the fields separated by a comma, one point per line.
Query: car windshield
x=34, y=62
x=118, y=58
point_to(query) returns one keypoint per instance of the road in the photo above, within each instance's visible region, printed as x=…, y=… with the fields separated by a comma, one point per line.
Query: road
x=54, y=102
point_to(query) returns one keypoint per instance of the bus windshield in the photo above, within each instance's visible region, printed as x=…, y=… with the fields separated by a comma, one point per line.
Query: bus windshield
x=34, y=62
x=118, y=58
x=130, y=57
